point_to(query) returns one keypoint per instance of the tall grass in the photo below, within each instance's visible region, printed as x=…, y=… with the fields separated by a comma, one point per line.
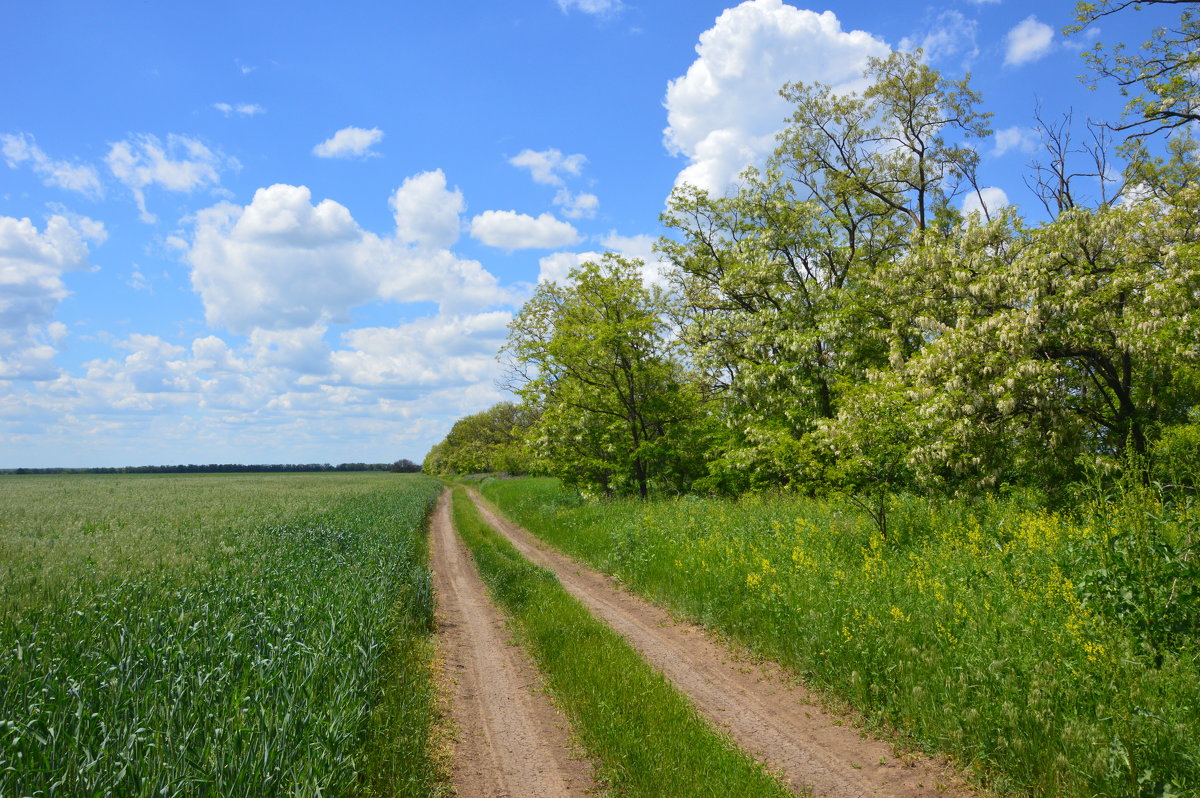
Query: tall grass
x=1056, y=655
x=646, y=738
x=288, y=657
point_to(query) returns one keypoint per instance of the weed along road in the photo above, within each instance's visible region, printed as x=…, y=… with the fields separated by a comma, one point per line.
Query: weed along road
x=510, y=741
x=768, y=715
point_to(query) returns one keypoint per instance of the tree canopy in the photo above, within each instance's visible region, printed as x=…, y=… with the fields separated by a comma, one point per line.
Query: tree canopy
x=484, y=442
x=835, y=323
x=597, y=360
x=1161, y=79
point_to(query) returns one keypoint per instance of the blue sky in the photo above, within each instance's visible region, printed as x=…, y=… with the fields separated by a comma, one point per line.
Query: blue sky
x=295, y=232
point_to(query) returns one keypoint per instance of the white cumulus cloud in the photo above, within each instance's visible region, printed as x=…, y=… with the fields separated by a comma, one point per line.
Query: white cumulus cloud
x=577, y=206
x=594, y=7
x=427, y=213
x=557, y=266
x=282, y=396
x=655, y=270
x=284, y=263
x=1020, y=139
x=349, y=142
x=155, y=366
x=22, y=148
x=437, y=351
x=986, y=202
x=548, y=166
x=181, y=164
x=1028, y=41
x=300, y=351
x=241, y=109
x=950, y=35
x=32, y=265
x=511, y=230
x=723, y=114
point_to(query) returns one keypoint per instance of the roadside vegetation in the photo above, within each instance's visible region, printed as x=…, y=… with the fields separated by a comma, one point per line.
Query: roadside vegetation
x=837, y=323
x=1054, y=654
x=944, y=463
x=216, y=635
x=645, y=737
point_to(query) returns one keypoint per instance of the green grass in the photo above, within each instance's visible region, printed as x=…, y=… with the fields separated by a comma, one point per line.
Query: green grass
x=1054, y=655
x=647, y=739
x=216, y=635
x=56, y=530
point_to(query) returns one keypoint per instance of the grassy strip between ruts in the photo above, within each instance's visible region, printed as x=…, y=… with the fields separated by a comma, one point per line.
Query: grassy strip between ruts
x=645, y=736
x=1045, y=650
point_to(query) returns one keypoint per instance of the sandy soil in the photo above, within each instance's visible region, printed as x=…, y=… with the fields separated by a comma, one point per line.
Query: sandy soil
x=510, y=740
x=762, y=709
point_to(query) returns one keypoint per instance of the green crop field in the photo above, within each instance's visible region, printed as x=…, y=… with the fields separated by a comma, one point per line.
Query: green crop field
x=215, y=635
x=1054, y=654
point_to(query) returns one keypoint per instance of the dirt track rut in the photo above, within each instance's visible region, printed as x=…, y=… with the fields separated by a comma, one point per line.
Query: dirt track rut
x=763, y=711
x=510, y=742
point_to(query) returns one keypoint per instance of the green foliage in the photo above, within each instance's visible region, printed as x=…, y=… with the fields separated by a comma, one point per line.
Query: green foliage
x=1161, y=79
x=646, y=737
x=489, y=442
x=1054, y=655
x=1176, y=458
x=276, y=643
x=1141, y=567
x=837, y=325
x=1054, y=346
x=783, y=310
x=899, y=151
x=596, y=359
x=839, y=328
x=872, y=439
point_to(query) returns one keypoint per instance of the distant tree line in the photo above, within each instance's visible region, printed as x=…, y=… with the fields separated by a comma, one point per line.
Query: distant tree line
x=493, y=441
x=400, y=466
x=837, y=323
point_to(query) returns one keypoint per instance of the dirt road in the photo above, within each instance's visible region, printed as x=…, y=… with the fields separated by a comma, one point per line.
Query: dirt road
x=511, y=742
x=763, y=711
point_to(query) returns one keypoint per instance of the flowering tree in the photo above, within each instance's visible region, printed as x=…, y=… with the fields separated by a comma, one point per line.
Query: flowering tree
x=781, y=308
x=1161, y=80
x=1077, y=337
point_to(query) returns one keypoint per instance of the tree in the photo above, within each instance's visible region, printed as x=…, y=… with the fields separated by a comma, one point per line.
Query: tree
x=902, y=147
x=872, y=438
x=596, y=358
x=486, y=442
x=781, y=311
x=434, y=462
x=1161, y=80
x=1074, y=173
x=1077, y=338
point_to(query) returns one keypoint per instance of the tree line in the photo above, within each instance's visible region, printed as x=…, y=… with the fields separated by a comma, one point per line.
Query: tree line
x=836, y=322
